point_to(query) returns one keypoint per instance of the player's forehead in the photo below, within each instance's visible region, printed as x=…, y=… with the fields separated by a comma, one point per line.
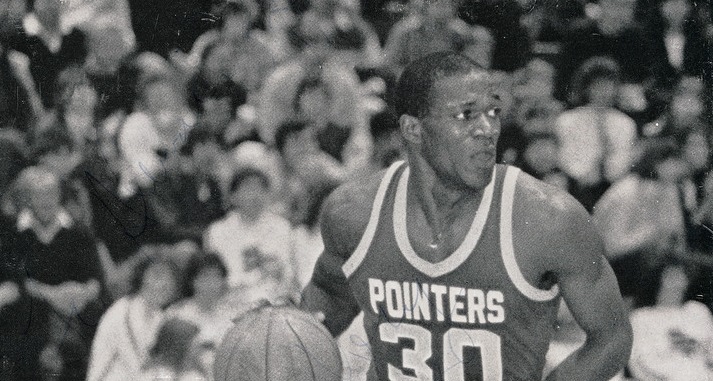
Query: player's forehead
x=475, y=88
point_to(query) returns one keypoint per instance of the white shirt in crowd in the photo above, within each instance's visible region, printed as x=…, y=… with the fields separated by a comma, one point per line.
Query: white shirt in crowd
x=121, y=345
x=593, y=140
x=236, y=240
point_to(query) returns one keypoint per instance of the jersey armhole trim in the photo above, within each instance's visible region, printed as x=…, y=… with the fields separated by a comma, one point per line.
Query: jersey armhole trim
x=507, y=247
x=359, y=253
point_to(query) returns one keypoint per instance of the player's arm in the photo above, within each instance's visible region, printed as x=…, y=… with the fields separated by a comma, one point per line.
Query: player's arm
x=344, y=218
x=575, y=254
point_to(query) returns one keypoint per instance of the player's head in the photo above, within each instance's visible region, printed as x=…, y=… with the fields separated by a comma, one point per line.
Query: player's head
x=449, y=118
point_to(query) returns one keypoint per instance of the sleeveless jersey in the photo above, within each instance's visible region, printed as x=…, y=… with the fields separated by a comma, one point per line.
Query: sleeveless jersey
x=473, y=316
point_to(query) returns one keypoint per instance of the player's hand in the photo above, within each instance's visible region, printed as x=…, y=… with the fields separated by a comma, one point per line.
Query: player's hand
x=291, y=301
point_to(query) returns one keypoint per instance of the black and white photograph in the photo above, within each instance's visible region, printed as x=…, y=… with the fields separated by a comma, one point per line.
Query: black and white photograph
x=356, y=190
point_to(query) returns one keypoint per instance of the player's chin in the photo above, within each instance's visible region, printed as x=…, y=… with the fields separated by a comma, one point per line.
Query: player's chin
x=478, y=176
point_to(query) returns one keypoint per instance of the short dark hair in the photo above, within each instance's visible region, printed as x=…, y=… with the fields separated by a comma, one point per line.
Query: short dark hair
x=286, y=130
x=414, y=85
x=309, y=83
x=591, y=70
x=151, y=256
x=199, y=262
x=247, y=173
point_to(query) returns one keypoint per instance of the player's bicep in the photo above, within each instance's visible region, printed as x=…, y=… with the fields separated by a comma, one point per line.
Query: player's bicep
x=592, y=295
x=587, y=282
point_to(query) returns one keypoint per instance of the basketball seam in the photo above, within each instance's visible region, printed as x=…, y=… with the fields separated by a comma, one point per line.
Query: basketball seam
x=304, y=348
x=323, y=331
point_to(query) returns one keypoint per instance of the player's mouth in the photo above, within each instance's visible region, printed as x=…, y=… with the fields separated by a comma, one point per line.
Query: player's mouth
x=486, y=156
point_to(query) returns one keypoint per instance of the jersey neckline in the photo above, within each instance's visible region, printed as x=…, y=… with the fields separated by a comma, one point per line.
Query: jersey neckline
x=457, y=257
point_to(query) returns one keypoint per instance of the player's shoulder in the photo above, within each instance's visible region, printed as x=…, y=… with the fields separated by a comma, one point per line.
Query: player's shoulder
x=546, y=205
x=553, y=225
x=347, y=211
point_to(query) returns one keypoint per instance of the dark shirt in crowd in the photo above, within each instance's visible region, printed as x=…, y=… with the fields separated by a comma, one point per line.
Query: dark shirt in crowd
x=46, y=65
x=30, y=324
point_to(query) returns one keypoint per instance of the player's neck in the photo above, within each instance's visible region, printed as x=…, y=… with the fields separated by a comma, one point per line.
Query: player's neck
x=440, y=201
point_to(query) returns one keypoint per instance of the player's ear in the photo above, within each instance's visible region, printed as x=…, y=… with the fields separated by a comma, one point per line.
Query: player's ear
x=410, y=127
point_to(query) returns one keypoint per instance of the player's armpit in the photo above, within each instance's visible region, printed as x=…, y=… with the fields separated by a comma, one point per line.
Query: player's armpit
x=328, y=293
x=589, y=288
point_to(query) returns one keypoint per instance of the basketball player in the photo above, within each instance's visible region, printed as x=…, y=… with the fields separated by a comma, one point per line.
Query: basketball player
x=458, y=263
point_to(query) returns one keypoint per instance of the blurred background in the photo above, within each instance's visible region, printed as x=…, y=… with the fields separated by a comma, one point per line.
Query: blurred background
x=163, y=163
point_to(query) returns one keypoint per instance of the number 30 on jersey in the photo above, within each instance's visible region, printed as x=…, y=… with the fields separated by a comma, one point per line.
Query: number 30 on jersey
x=454, y=341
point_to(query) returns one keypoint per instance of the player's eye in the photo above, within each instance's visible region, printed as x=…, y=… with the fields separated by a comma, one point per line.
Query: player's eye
x=465, y=115
x=493, y=112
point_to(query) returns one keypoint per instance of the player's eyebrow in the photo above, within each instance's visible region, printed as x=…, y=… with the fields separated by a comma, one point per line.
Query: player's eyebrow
x=476, y=103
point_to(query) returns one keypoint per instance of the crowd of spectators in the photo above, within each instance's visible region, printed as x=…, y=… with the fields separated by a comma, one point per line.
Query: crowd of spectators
x=163, y=163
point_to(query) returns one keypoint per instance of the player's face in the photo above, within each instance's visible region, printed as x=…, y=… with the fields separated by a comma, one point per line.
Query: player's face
x=461, y=130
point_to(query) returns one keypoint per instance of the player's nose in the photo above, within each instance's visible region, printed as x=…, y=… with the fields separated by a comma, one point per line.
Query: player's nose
x=483, y=126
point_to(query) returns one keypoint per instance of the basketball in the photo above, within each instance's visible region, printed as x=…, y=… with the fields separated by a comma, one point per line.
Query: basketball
x=277, y=343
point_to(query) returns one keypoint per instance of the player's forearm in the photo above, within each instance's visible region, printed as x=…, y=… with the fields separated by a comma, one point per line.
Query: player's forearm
x=599, y=359
x=338, y=311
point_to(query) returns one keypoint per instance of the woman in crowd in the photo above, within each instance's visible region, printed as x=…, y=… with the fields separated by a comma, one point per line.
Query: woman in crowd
x=206, y=304
x=641, y=220
x=596, y=139
x=127, y=330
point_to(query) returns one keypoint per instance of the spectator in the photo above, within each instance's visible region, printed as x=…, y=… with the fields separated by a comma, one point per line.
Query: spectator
x=152, y=135
x=250, y=61
x=347, y=143
x=611, y=31
x=641, y=221
x=678, y=32
x=208, y=304
x=49, y=45
x=128, y=329
x=435, y=26
x=335, y=23
x=276, y=104
x=310, y=172
x=596, y=140
x=539, y=159
x=54, y=263
x=107, y=25
x=685, y=112
x=279, y=19
x=218, y=120
x=673, y=341
x=170, y=356
x=254, y=243
x=511, y=45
